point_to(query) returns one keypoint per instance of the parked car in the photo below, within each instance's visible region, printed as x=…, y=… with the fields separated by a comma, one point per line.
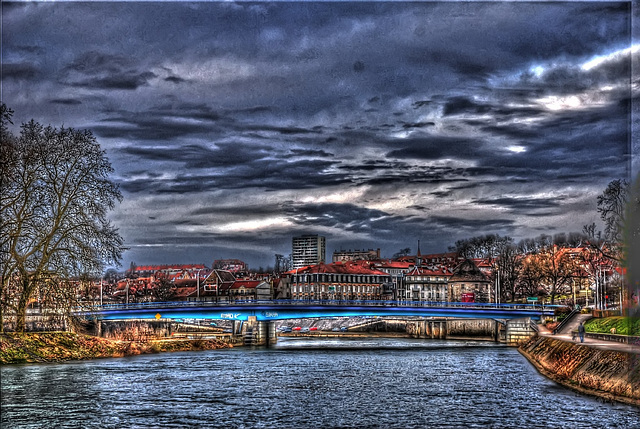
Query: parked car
x=305, y=329
x=297, y=328
x=336, y=329
x=286, y=329
x=313, y=328
x=343, y=329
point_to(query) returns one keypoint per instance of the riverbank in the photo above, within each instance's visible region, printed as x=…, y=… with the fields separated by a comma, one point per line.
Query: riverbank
x=66, y=346
x=607, y=374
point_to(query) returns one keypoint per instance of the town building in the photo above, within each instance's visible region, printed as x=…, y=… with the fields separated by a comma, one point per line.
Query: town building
x=426, y=284
x=397, y=270
x=308, y=250
x=232, y=265
x=250, y=290
x=468, y=284
x=355, y=255
x=150, y=270
x=335, y=281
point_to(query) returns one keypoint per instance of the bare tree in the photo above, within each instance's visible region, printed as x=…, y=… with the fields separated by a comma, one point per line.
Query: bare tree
x=402, y=252
x=557, y=269
x=531, y=276
x=56, y=194
x=482, y=246
x=164, y=289
x=611, y=206
x=509, y=270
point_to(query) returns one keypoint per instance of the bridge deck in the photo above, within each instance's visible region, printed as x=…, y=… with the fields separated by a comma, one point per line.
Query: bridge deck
x=281, y=310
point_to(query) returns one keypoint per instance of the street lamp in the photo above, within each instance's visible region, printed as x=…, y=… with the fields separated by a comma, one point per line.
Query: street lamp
x=198, y=284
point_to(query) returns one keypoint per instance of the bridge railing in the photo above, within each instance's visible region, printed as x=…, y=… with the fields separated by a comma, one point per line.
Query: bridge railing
x=329, y=302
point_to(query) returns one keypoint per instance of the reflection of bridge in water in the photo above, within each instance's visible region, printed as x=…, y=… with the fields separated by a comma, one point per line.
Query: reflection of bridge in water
x=255, y=317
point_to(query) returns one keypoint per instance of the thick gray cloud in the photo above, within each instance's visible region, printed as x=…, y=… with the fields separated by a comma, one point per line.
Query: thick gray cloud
x=234, y=126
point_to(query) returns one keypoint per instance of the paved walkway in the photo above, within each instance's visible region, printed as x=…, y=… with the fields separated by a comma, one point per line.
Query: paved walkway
x=565, y=335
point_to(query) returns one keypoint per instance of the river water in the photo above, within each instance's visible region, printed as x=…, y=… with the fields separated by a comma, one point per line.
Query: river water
x=304, y=383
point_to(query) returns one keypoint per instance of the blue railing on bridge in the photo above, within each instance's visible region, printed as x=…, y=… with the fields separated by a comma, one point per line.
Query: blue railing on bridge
x=394, y=303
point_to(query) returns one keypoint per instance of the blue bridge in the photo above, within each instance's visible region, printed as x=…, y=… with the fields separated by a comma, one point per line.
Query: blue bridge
x=289, y=309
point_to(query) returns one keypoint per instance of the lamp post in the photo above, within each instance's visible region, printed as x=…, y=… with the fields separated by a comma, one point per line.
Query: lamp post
x=198, y=285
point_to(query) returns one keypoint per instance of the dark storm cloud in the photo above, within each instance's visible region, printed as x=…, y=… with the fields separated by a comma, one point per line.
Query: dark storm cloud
x=378, y=98
x=417, y=125
x=105, y=71
x=375, y=165
x=436, y=147
x=175, y=79
x=197, y=156
x=19, y=71
x=521, y=204
x=311, y=153
x=270, y=175
x=458, y=105
x=472, y=225
x=161, y=124
x=261, y=210
x=348, y=217
x=66, y=101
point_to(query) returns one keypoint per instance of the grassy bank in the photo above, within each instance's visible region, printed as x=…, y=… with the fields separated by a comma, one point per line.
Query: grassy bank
x=618, y=324
x=65, y=346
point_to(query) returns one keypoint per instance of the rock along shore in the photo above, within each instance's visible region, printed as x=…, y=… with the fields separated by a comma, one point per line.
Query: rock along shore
x=611, y=375
x=66, y=346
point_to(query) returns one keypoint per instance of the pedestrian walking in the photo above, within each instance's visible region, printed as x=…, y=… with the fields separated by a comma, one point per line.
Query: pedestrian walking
x=581, y=332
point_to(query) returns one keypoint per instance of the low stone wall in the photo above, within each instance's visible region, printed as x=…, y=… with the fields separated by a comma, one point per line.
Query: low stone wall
x=609, y=374
x=473, y=328
x=625, y=339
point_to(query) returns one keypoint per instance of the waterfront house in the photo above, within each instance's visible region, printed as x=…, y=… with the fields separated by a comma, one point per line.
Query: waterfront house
x=468, y=282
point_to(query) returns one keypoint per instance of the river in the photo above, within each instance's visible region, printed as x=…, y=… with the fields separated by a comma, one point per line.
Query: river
x=304, y=383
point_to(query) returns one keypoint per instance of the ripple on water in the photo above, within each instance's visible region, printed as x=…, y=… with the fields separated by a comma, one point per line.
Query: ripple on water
x=377, y=383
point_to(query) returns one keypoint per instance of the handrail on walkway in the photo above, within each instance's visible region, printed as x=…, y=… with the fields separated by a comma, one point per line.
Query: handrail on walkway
x=534, y=326
x=565, y=321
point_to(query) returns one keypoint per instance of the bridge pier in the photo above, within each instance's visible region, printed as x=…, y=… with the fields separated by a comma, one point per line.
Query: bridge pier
x=258, y=333
x=435, y=329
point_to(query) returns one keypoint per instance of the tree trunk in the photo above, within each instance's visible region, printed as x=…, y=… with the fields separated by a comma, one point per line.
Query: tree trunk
x=21, y=311
x=21, y=315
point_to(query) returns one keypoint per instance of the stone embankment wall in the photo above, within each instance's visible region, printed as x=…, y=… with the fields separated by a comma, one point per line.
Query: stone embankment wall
x=612, y=375
x=134, y=330
x=481, y=329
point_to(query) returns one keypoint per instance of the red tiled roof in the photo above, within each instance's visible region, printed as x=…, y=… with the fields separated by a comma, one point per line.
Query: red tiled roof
x=394, y=264
x=348, y=267
x=248, y=284
x=436, y=271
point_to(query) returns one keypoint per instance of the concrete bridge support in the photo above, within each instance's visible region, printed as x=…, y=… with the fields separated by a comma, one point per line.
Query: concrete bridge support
x=257, y=333
x=435, y=329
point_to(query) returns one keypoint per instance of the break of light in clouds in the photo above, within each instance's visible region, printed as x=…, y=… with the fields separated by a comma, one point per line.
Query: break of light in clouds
x=235, y=126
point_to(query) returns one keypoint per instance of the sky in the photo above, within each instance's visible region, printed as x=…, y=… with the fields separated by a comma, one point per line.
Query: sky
x=233, y=127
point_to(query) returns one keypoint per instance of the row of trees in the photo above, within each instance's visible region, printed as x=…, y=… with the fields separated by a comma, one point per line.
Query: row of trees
x=55, y=197
x=546, y=265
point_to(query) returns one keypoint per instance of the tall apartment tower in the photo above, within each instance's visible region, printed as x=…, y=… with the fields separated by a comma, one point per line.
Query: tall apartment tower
x=308, y=250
